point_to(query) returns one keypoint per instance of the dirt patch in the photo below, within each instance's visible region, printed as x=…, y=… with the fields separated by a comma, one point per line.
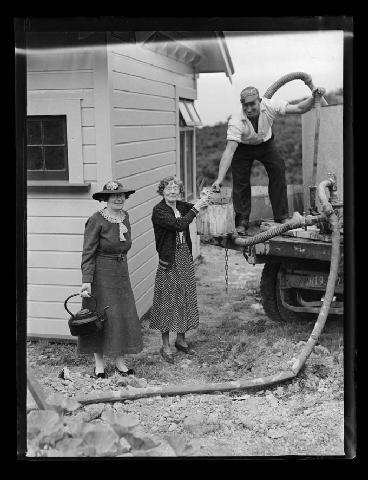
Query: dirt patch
x=235, y=340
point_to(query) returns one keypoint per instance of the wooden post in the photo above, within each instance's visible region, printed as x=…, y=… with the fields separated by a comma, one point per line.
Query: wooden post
x=37, y=391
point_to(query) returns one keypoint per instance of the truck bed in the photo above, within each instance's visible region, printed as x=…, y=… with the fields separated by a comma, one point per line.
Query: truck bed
x=299, y=243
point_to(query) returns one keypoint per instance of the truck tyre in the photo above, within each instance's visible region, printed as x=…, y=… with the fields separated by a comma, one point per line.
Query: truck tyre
x=268, y=291
x=270, y=295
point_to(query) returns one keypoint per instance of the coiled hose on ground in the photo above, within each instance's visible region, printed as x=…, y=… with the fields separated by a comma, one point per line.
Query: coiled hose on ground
x=296, y=222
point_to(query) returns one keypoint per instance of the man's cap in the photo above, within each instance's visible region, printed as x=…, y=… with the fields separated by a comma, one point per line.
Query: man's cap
x=249, y=94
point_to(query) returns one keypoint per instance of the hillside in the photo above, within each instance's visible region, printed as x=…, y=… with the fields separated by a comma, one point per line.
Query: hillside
x=211, y=142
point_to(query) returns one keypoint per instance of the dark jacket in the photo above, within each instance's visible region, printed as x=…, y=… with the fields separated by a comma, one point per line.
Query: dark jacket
x=166, y=226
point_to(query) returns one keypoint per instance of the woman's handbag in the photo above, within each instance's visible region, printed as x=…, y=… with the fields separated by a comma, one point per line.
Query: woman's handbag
x=85, y=322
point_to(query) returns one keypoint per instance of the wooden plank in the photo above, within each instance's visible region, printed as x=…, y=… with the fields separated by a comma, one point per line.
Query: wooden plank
x=88, y=117
x=66, y=207
x=145, y=285
x=122, y=134
x=71, y=243
x=138, y=228
x=85, y=95
x=67, y=60
x=141, y=211
x=145, y=302
x=89, y=153
x=142, y=117
x=140, y=242
x=130, y=83
x=142, y=195
x=136, y=166
x=49, y=309
x=48, y=326
x=140, y=149
x=89, y=135
x=133, y=67
x=140, y=273
x=53, y=293
x=56, y=225
x=59, y=80
x=37, y=391
x=60, y=193
x=146, y=178
x=141, y=257
x=53, y=260
x=54, y=276
x=122, y=53
x=141, y=101
x=90, y=172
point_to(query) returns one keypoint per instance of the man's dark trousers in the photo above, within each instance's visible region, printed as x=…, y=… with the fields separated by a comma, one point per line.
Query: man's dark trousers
x=243, y=158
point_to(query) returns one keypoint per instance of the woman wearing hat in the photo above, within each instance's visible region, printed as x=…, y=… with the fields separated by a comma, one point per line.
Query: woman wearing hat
x=174, y=306
x=107, y=239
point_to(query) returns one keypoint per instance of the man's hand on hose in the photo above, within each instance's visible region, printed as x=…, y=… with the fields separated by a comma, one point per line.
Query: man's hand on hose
x=318, y=91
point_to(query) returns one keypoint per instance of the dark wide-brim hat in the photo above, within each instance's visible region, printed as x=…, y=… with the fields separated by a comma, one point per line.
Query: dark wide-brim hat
x=112, y=188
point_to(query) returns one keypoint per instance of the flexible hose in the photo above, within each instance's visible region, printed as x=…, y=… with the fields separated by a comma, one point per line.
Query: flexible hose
x=260, y=382
x=296, y=222
x=330, y=289
x=305, y=77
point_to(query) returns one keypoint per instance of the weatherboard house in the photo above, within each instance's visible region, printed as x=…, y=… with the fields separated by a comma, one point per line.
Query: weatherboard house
x=101, y=106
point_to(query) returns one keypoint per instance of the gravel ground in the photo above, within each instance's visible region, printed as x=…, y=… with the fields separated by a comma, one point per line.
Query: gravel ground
x=235, y=340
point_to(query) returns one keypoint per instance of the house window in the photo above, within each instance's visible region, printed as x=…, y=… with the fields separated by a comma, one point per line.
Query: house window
x=47, y=149
x=188, y=120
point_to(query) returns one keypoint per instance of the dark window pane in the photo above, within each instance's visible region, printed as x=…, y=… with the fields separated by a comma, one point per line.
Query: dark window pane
x=53, y=132
x=54, y=158
x=34, y=158
x=34, y=132
x=189, y=147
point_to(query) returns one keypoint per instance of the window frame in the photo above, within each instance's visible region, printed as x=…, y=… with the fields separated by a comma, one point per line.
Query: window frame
x=51, y=174
x=184, y=127
x=47, y=104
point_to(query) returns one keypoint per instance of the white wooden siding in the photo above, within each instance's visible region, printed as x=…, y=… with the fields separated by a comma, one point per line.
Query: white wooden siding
x=144, y=144
x=128, y=99
x=56, y=220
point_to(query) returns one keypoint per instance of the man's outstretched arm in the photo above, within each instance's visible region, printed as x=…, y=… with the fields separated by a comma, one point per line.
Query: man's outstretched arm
x=225, y=162
x=305, y=105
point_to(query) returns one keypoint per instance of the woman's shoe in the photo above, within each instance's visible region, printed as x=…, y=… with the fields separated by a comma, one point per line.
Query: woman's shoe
x=130, y=371
x=98, y=375
x=186, y=350
x=168, y=357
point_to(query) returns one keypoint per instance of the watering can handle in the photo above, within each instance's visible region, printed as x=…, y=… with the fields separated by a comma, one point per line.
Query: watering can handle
x=77, y=295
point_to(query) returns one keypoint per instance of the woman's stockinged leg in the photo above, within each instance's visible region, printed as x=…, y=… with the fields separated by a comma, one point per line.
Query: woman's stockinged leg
x=166, y=342
x=120, y=363
x=180, y=339
x=99, y=361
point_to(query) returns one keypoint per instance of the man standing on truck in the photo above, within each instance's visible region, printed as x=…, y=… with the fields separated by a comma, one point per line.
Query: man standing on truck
x=249, y=138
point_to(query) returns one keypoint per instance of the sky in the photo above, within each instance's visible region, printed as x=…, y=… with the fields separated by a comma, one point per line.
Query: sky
x=259, y=60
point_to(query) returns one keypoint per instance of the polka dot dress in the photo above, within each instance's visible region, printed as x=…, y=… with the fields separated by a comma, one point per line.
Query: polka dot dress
x=174, y=306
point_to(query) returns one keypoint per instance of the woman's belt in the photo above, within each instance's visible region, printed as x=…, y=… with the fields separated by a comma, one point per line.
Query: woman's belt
x=118, y=256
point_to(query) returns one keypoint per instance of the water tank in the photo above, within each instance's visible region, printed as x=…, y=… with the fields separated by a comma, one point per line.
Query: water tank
x=330, y=150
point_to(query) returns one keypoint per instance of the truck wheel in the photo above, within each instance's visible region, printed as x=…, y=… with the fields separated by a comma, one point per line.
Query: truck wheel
x=268, y=291
x=285, y=314
x=270, y=295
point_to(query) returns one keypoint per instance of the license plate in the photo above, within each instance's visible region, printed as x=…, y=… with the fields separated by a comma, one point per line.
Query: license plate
x=315, y=281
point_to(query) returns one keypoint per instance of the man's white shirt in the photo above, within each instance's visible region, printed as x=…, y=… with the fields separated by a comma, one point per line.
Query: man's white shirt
x=240, y=128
